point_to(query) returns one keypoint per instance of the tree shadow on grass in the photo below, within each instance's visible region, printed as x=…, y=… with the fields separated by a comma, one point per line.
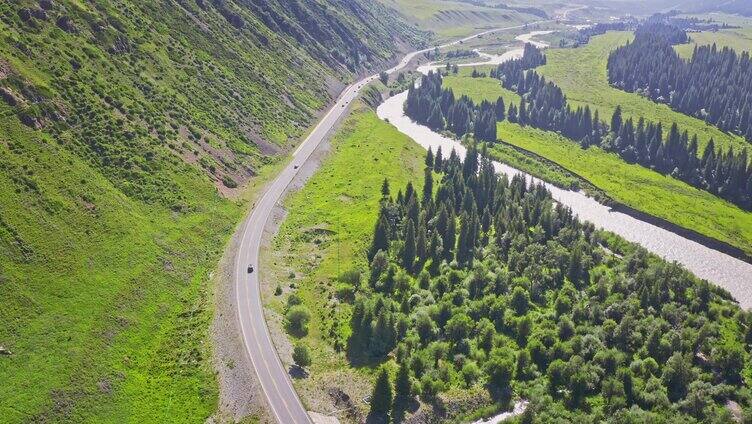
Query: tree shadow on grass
x=360, y=359
x=402, y=409
x=503, y=397
x=377, y=419
x=298, y=372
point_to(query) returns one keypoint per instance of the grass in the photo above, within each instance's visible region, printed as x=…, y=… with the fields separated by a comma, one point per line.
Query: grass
x=739, y=39
x=450, y=19
x=533, y=165
x=326, y=232
x=581, y=74
x=639, y=187
x=479, y=89
x=113, y=329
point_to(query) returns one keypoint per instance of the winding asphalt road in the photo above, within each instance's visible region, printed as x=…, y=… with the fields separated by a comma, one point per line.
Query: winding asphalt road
x=284, y=403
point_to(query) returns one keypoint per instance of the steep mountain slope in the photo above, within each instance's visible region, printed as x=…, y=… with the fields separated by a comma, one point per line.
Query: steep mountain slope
x=124, y=128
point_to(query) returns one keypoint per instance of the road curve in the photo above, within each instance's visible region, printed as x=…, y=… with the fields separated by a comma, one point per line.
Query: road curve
x=275, y=382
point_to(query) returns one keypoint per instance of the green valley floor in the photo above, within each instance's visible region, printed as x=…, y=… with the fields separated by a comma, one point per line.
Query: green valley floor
x=321, y=246
x=631, y=185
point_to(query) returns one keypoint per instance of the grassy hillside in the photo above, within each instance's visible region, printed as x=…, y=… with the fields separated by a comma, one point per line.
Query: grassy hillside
x=129, y=132
x=739, y=39
x=104, y=305
x=456, y=18
x=581, y=74
x=326, y=233
x=632, y=185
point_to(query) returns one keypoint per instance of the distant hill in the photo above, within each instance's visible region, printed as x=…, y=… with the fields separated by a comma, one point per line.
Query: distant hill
x=648, y=7
x=449, y=19
x=741, y=7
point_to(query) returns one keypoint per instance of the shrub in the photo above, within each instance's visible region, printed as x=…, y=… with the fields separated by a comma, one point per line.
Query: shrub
x=297, y=319
x=301, y=356
x=229, y=182
x=345, y=292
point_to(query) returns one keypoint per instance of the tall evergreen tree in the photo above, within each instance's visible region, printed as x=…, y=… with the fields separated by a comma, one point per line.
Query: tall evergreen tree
x=402, y=387
x=616, y=120
x=381, y=236
x=438, y=162
x=409, y=249
x=500, y=109
x=381, y=397
x=427, y=184
x=429, y=158
x=385, y=189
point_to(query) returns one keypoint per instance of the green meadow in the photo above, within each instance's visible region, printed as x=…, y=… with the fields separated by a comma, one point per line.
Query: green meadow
x=581, y=74
x=324, y=237
x=739, y=39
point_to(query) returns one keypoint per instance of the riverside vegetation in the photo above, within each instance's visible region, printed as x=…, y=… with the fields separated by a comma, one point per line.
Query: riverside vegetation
x=650, y=65
x=316, y=255
x=479, y=281
x=543, y=105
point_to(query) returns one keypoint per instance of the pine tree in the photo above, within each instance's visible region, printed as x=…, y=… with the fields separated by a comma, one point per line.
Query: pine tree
x=436, y=119
x=500, y=109
x=402, y=387
x=385, y=189
x=421, y=244
x=522, y=114
x=512, y=115
x=380, y=236
x=381, y=397
x=409, y=249
x=427, y=184
x=448, y=240
x=438, y=161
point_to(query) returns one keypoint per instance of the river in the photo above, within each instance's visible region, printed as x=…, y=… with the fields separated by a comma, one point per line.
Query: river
x=717, y=267
x=493, y=59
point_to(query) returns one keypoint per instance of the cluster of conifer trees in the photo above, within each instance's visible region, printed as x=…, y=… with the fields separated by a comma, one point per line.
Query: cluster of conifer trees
x=512, y=72
x=483, y=281
x=715, y=85
x=583, y=35
x=437, y=108
x=726, y=174
x=544, y=106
